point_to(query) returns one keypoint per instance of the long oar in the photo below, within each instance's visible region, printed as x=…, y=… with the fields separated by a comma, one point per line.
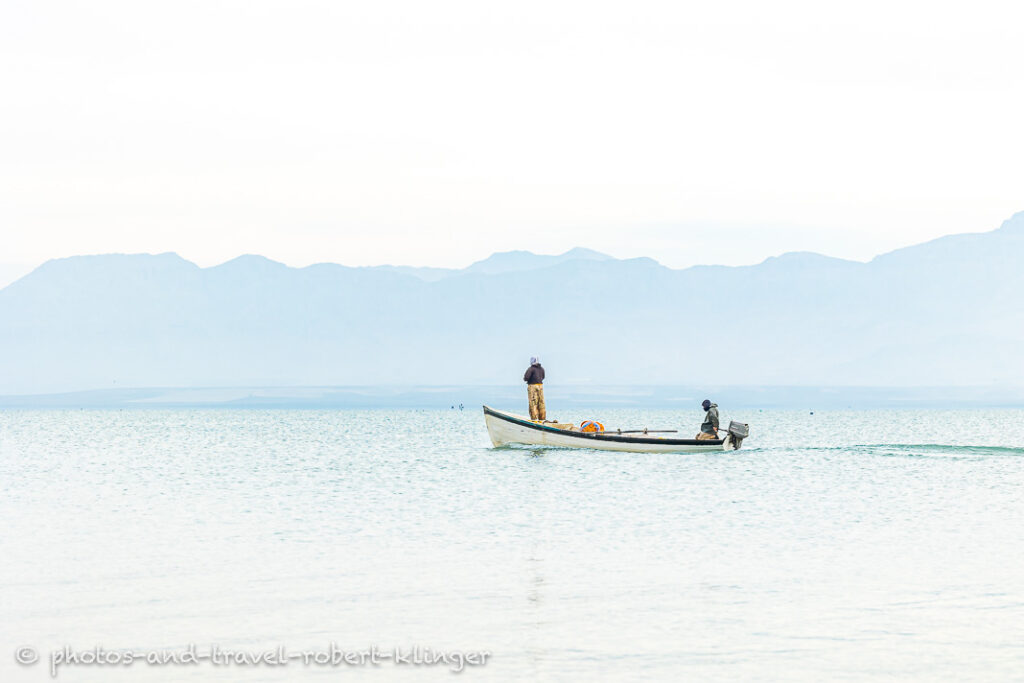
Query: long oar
x=640, y=431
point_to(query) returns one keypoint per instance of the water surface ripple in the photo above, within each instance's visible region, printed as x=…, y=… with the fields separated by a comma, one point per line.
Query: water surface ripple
x=849, y=544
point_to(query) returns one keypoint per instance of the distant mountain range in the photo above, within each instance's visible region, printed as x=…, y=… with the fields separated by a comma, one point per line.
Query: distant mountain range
x=946, y=312
x=502, y=262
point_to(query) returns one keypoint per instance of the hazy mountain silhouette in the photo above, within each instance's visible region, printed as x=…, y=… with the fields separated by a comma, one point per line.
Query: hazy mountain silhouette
x=501, y=262
x=940, y=313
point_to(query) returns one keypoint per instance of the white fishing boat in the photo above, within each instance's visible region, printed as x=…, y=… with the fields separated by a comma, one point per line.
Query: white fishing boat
x=507, y=428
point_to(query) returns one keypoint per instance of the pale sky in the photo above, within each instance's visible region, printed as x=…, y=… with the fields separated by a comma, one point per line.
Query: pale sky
x=435, y=133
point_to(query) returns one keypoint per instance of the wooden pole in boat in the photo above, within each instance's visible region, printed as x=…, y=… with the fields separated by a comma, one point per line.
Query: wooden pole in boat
x=641, y=431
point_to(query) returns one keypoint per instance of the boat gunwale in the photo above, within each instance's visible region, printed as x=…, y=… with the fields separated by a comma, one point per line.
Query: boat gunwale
x=602, y=436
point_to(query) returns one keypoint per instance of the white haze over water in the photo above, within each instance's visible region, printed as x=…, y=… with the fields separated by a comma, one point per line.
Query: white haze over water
x=851, y=543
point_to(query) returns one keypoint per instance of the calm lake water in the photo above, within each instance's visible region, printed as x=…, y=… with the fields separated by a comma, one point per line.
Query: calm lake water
x=845, y=545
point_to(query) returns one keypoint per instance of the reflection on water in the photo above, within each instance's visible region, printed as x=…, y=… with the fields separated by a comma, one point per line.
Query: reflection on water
x=805, y=555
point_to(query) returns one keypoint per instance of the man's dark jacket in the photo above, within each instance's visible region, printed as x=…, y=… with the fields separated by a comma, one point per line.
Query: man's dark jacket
x=534, y=374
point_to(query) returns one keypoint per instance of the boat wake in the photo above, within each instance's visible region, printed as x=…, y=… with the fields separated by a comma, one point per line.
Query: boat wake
x=906, y=450
x=942, y=449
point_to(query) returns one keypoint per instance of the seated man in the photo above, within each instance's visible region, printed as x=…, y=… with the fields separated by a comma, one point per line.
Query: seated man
x=709, y=429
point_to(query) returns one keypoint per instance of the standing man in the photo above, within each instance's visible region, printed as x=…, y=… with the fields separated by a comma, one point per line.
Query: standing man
x=709, y=428
x=534, y=379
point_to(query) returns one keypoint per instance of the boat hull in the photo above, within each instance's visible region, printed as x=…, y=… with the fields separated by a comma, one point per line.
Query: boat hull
x=507, y=429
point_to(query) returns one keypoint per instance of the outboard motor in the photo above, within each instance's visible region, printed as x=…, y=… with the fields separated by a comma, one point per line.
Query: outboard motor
x=737, y=432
